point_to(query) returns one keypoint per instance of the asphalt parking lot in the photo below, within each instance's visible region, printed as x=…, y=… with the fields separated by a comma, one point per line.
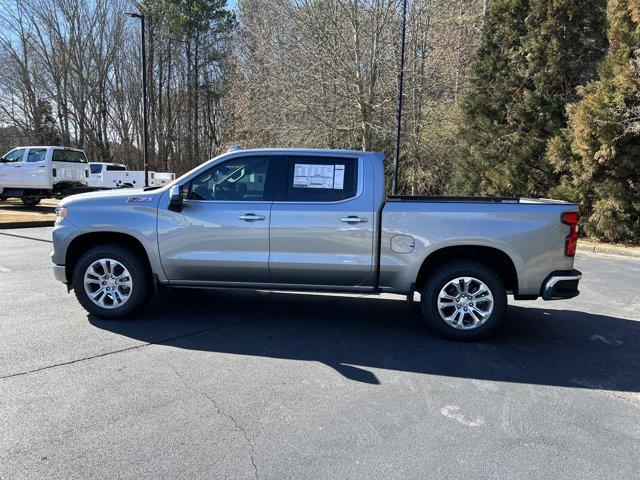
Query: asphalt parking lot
x=245, y=384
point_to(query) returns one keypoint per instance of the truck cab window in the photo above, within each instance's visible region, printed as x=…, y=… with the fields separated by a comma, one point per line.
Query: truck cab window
x=242, y=179
x=36, y=154
x=321, y=179
x=116, y=168
x=73, y=156
x=95, y=167
x=14, y=156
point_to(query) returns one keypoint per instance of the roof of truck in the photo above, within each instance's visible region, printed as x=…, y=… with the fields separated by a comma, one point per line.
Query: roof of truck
x=51, y=146
x=306, y=151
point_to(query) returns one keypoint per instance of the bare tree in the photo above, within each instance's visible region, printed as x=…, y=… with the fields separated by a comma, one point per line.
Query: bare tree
x=311, y=73
x=72, y=68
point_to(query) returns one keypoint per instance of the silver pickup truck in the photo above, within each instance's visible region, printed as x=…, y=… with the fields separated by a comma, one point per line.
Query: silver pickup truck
x=302, y=219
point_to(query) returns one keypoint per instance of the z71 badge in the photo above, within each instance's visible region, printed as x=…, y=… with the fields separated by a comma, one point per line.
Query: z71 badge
x=139, y=199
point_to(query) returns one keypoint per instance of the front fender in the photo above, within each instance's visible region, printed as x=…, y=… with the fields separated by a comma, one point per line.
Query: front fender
x=111, y=214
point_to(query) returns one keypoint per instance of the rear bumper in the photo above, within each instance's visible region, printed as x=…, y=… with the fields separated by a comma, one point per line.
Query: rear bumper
x=561, y=284
x=59, y=272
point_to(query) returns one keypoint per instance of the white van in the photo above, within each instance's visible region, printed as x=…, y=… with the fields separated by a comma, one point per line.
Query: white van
x=33, y=173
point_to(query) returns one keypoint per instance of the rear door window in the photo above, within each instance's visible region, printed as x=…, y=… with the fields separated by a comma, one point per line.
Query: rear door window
x=72, y=156
x=321, y=179
x=116, y=168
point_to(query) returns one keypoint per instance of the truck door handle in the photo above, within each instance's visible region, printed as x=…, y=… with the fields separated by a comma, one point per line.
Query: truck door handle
x=354, y=219
x=251, y=217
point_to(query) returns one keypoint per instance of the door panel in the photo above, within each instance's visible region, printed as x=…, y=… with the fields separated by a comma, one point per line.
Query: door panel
x=323, y=243
x=4, y=174
x=11, y=169
x=34, y=169
x=222, y=233
x=209, y=241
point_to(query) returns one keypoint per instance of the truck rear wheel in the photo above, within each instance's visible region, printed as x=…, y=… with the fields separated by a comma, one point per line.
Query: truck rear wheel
x=110, y=281
x=464, y=300
x=29, y=201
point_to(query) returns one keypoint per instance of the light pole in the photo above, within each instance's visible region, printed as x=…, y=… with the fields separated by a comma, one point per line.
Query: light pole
x=145, y=107
x=396, y=155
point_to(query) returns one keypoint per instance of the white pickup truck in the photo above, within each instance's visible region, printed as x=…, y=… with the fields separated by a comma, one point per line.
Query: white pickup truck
x=37, y=172
x=116, y=175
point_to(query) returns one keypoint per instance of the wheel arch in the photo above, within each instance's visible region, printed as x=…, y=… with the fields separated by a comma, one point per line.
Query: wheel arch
x=492, y=257
x=82, y=243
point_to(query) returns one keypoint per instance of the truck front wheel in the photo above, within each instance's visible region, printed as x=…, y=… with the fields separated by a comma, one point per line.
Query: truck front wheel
x=110, y=281
x=464, y=300
x=29, y=201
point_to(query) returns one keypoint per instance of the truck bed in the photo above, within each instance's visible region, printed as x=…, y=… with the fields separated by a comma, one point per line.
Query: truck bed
x=529, y=231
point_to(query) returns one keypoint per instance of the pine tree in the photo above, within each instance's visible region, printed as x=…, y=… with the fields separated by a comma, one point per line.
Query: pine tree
x=46, y=130
x=599, y=154
x=534, y=55
x=494, y=77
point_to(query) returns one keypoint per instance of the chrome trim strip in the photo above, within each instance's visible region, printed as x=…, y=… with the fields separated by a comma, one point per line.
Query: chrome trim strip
x=553, y=280
x=548, y=286
x=291, y=287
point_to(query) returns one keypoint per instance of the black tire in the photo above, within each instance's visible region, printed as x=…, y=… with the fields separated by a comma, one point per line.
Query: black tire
x=445, y=274
x=30, y=201
x=142, y=282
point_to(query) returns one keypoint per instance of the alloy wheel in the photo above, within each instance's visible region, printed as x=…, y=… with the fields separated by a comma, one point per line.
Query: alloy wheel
x=108, y=283
x=465, y=303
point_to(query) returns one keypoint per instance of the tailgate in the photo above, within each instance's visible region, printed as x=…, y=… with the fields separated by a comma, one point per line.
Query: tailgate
x=71, y=172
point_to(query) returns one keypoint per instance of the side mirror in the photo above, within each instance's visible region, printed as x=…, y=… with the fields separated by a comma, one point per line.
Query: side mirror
x=175, y=198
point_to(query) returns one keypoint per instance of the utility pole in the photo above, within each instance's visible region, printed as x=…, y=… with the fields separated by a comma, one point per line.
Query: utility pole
x=396, y=155
x=145, y=106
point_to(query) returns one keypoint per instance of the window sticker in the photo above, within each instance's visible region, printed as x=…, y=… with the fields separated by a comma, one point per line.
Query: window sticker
x=318, y=176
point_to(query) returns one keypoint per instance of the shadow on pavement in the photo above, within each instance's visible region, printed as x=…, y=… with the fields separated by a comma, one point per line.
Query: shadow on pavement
x=351, y=334
x=11, y=207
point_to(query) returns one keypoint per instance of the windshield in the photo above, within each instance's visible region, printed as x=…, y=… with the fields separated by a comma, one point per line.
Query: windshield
x=73, y=156
x=95, y=167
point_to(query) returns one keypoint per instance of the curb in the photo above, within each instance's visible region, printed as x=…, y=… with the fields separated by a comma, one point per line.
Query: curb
x=29, y=224
x=630, y=252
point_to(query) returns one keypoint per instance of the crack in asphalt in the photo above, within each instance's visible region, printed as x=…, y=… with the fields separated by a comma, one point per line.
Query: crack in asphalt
x=161, y=342
x=220, y=412
x=35, y=239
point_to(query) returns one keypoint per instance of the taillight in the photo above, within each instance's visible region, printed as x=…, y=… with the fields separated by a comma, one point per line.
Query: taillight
x=86, y=173
x=571, y=219
x=54, y=172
